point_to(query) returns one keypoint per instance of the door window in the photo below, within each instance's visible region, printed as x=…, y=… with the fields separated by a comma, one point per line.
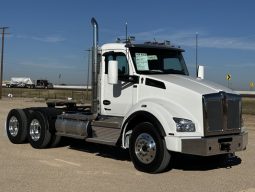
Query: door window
x=122, y=62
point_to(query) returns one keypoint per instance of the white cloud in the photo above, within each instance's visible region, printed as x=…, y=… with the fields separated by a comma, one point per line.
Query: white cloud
x=46, y=65
x=239, y=43
x=187, y=38
x=242, y=65
x=147, y=35
x=47, y=39
x=50, y=39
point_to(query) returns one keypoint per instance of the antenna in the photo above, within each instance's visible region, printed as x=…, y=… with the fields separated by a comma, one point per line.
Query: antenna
x=196, y=53
x=126, y=32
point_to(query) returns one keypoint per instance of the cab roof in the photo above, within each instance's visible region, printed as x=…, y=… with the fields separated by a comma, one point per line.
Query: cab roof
x=112, y=46
x=156, y=45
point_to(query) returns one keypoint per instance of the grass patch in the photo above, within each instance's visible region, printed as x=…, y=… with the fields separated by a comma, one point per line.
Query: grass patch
x=248, y=106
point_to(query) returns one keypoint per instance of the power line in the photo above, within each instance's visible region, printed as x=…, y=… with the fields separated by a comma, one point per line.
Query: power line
x=2, y=59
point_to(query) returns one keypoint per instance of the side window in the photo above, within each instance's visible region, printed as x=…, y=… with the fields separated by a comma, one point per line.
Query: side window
x=122, y=62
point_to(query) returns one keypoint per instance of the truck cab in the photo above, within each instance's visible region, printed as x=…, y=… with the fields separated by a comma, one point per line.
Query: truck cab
x=143, y=100
x=153, y=78
x=139, y=67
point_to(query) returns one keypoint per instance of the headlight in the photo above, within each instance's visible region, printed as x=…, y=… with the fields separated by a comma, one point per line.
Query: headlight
x=184, y=125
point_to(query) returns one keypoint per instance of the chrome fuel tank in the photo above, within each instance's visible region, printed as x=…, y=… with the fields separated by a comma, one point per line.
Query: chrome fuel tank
x=73, y=125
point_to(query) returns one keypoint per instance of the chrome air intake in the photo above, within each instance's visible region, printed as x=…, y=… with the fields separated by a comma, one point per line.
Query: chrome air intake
x=222, y=114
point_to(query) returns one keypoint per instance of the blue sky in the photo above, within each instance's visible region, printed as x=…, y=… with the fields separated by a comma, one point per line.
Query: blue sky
x=50, y=37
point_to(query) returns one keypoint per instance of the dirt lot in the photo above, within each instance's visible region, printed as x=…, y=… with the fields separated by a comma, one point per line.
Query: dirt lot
x=88, y=167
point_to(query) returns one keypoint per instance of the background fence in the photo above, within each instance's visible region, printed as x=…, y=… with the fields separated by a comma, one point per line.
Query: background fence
x=80, y=95
x=84, y=96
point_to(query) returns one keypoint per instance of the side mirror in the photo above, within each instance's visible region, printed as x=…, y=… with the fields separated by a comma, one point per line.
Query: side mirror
x=113, y=72
x=201, y=72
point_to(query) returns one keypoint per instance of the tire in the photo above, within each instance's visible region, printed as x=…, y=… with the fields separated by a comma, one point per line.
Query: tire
x=16, y=126
x=147, y=149
x=51, y=115
x=55, y=140
x=38, y=130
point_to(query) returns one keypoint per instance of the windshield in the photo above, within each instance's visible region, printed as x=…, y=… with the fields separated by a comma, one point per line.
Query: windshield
x=158, y=61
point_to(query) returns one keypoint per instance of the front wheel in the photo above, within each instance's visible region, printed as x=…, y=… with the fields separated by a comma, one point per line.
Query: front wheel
x=147, y=149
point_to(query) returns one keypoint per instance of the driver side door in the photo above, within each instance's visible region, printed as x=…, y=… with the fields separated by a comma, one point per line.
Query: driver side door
x=116, y=100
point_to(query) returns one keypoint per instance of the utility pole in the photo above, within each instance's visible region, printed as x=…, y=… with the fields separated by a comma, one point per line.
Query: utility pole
x=2, y=60
x=196, y=53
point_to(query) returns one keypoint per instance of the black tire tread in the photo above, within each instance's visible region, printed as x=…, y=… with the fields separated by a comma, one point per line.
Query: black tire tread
x=45, y=138
x=162, y=158
x=23, y=123
x=50, y=114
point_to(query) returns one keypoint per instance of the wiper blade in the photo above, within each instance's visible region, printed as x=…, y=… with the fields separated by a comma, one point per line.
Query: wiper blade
x=156, y=71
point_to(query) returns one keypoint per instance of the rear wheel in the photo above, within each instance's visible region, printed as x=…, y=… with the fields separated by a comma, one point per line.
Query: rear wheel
x=147, y=149
x=51, y=115
x=38, y=130
x=55, y=140
x=16, y=126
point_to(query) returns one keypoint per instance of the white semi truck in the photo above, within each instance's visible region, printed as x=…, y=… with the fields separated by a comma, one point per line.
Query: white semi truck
x=26, y=82
x=21, y=82
x=144, y=100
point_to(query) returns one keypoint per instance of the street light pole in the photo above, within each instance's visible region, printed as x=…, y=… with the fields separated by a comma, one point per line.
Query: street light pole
x=2, y=60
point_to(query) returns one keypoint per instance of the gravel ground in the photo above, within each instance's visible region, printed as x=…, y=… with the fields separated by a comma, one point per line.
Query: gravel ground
x=76, y=166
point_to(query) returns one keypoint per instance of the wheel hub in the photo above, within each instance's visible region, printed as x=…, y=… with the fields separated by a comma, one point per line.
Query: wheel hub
x=35, y=130
x=13, y=126
x=145, y=148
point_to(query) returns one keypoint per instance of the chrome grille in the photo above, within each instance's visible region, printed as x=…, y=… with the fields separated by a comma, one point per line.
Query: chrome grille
x=222, y=113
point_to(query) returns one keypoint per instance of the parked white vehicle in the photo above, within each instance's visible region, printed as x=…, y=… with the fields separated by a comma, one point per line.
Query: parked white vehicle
x=26, y=82
x=20, y=82
x=144, y=100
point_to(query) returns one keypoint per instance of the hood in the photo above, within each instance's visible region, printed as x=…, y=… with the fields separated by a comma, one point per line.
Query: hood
x=199, y=86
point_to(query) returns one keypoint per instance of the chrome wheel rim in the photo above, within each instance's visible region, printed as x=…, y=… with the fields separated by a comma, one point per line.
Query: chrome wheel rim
x=35, y=130
x=145, y=148
x=13, y=126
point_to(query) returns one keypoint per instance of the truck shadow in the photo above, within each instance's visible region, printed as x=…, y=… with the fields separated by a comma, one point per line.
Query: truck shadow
x=197, y=163
x=97, y=149
x=179, y=161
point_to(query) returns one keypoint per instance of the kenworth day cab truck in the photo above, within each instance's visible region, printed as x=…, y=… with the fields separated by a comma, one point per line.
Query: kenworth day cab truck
x=144, y=100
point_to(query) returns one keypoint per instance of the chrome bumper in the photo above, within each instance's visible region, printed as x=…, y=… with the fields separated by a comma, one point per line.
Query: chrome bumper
x=215, y=145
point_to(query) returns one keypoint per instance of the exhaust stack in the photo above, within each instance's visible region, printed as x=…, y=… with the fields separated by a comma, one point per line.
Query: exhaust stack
x=94, y=100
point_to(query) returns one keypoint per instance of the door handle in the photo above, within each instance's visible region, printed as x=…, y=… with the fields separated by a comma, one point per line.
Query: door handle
x=106, y=102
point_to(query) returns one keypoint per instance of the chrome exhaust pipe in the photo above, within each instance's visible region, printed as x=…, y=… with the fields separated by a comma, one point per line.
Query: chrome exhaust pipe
x=94, y=99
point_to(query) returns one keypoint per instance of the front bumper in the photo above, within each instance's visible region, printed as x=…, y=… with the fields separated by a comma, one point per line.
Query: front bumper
x=215, y=145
